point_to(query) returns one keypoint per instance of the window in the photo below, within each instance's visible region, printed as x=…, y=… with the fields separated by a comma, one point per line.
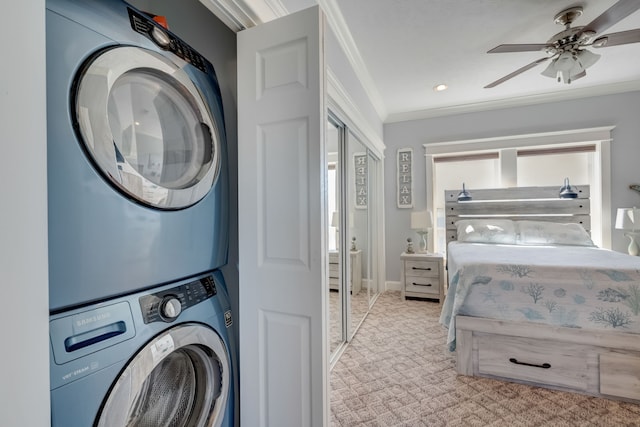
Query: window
x=523, y=161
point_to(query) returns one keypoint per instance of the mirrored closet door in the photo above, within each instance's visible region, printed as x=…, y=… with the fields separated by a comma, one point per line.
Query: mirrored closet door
x=352, y=209
x=334, y=142
x=358, y=230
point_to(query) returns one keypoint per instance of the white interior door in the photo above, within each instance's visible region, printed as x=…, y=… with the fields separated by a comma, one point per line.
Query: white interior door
x=282, y=222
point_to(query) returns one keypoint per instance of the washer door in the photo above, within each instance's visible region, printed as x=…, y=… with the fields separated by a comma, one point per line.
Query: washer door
x=147, y=127
x=180, y=378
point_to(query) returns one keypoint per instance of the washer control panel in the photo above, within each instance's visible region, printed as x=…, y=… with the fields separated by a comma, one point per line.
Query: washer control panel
x=164, y=39
x=166, y=306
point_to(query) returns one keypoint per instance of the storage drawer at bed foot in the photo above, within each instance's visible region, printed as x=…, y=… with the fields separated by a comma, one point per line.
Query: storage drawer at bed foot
x=535, y=361
x=620, y=375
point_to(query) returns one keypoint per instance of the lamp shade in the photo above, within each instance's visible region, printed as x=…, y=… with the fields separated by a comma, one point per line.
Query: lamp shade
x=571, y=65
x=421, y=220
x=335, y=221
x=626, y=218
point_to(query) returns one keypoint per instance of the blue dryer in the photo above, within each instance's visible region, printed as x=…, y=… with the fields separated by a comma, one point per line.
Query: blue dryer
x=137, y=176
x=163, y=357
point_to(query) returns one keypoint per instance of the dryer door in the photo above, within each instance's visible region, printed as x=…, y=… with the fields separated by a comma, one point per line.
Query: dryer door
x=180, y=378
x=147, y=127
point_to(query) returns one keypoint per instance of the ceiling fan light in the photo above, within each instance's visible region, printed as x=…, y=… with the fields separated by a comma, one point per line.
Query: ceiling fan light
x=550, y=71
x=587, y=58
x=575, y=70
x=564, y=62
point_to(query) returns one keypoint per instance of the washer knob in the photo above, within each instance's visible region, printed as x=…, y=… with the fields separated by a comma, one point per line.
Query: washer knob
x=170, y=308
x=160, y=36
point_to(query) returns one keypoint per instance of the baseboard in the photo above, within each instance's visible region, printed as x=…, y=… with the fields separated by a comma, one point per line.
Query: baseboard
x=390, y=285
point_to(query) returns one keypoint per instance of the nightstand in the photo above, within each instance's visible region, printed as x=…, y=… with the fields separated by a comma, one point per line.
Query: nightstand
x=356, y=270
x=422, y=275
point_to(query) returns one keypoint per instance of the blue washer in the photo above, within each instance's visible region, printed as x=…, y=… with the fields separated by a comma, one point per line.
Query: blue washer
x=137, y=173
x=165, y=354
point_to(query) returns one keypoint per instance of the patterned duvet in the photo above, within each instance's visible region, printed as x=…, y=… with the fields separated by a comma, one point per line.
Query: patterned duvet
x=571, y=286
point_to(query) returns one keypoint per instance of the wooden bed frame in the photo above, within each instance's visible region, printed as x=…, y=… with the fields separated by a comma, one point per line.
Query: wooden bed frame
x=598, y=363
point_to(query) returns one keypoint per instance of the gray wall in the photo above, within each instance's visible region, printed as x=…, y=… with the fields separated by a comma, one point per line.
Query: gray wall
x=24, y=367
x=196, y=25
x=619, y=110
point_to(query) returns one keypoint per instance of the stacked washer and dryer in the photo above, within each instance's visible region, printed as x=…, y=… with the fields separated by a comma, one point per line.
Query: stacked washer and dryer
x=140, y=323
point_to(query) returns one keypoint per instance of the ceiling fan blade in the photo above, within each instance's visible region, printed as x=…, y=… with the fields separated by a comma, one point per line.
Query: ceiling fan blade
x=516, y=72
x=505, y=48
x=612, y=16
x=615, y=39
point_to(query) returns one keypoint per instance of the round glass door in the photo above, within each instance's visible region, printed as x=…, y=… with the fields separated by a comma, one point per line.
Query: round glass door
x=147, y=128
x=180, y=379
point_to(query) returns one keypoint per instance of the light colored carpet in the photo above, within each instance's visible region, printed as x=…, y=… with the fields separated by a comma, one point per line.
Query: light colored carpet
x=359, y=307
x=396, y=372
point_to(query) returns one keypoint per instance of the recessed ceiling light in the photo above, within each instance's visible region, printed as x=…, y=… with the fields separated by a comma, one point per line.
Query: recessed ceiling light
x=440, y=87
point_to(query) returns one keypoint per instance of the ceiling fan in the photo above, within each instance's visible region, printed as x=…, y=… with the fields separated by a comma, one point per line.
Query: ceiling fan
x=569, y=56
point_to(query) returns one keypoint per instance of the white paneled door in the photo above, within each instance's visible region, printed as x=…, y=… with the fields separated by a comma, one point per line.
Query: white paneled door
x=282, y=222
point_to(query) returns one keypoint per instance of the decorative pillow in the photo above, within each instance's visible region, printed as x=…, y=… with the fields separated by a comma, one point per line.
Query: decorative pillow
x=552, y=233
x=486, y=231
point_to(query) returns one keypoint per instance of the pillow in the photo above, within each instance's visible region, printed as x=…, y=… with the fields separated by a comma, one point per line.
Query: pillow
x=552, y=233
x=486, y=231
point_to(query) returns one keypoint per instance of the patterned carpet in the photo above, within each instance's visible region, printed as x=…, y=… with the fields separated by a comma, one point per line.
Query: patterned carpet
x=359, y=307
x=396, y=372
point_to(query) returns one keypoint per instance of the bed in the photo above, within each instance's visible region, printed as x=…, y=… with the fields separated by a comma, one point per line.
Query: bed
x=532, y=300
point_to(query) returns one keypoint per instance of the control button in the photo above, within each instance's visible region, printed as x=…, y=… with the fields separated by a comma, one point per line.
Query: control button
x=170, y=308
x=160, y=36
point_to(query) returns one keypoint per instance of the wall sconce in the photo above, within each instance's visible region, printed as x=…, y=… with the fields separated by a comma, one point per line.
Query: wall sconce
x=464, y=195
x=567, y=191
x=422, y=222
x=626, y=220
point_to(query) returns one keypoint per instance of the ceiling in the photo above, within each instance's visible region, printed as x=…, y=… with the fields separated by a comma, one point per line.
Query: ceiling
x=403, y=48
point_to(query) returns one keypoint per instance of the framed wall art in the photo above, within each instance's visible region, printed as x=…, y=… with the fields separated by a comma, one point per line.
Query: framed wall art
x=360, y=165
x=405, y=178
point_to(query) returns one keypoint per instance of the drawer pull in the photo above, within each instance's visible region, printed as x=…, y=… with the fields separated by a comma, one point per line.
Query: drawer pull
x=420, y=268
x=543, y=366
x=421, y=284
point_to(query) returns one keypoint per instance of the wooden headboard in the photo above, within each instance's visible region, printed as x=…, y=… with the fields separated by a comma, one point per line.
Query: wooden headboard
x=518, y=203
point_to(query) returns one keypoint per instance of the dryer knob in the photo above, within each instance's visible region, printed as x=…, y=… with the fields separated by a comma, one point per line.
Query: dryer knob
x=171, y=308
x=160, y=36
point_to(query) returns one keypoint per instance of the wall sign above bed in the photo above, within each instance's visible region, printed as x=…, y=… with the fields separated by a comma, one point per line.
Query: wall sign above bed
x=405, y=178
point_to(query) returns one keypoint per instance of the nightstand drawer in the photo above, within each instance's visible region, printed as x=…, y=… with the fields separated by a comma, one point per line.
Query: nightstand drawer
x=424, y=285
x=334, y=270
x=421, y=269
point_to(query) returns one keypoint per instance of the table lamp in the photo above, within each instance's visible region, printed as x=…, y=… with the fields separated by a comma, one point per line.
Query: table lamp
x=422, y=222
x=626, y=220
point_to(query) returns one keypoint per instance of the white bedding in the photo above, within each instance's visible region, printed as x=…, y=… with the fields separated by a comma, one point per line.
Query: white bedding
x=571, y=286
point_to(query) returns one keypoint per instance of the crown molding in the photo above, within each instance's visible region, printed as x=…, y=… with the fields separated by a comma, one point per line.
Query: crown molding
x=241, y=14
x=340, y=100
x=345, y=39
x=232, y=13
x=521, y=101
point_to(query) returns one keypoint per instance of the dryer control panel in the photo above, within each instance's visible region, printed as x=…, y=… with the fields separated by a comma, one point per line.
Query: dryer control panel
x=166, y=40
x=167, y=305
